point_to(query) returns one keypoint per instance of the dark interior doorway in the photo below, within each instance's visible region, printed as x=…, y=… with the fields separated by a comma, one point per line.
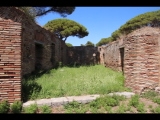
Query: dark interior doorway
x=53, y=54
x=122, y=58
x=38, y=56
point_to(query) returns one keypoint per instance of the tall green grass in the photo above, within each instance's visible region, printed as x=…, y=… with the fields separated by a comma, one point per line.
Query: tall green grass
x=69, y=81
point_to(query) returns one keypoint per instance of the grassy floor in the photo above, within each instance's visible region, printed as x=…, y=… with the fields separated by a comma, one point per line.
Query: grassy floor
x=68, y=81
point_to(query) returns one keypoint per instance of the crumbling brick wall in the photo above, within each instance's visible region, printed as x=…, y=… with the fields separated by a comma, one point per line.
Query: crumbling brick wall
x=101, y=50
x=83, y=55
x=24, y=46
x=138, y=56
x=110, y=54
x=142, y=59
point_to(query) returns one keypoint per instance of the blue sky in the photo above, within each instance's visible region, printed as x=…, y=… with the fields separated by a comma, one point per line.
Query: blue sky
x=100, y=22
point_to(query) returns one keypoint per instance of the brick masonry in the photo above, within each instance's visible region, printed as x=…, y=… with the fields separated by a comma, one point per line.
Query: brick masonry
x=83, y=55
x=24, y=47
x=10, y=57
x=110, y=54
x=142, y=59
x=138, y=56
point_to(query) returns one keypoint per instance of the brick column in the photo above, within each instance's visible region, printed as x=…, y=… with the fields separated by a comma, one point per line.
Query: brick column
x=10, y=60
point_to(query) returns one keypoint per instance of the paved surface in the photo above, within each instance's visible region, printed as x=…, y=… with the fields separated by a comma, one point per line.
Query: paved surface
x=64, y=100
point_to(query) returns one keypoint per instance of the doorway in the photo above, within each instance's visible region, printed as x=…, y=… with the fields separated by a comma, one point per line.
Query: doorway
x=122, y=58
x=38, y=56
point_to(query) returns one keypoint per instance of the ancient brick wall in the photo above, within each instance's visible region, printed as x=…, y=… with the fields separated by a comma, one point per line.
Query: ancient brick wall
x=24, y=47
x=83, y=55
x=138, y=56
x=37, y=48
x=110, y=55
x=101, y=50
x=41, y=49
x=10, y=55
x=142, y=59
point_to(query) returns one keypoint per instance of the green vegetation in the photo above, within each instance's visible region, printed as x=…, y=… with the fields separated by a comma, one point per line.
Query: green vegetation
x=87, y=80
x=99, y=105
x=16, y=107
x=134, y=101
x=149, y=94
x=33, y=108
x=45, y=109
x=89, y=43
x=147, y=19
x=4, y=106
x=140, y=108
x=69, y=44
x=104, y=41
x=156, y=100
x=64, y=28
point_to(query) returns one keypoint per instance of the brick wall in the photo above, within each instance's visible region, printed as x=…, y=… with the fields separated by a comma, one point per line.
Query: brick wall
x=82, y=55
x=141, y=61
x=10, y=56
x=110, y=54
x=24, y=47
x=138, y=56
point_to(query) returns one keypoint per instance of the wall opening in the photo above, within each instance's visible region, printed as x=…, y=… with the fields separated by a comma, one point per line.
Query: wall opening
x=53, y=53
x=38, y=56
x=122, y=58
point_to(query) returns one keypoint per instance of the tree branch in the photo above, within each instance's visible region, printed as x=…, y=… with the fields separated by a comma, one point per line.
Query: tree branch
x=43, y=13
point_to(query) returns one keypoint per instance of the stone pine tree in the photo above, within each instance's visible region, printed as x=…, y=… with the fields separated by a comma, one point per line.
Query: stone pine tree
x=64, y=28
x=104, y=41
x=151, y=19
x=89, y=43
x=69, y=44
x=147, y=19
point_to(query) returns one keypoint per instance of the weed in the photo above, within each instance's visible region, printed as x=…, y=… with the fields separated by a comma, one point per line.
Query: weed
x=16, y=107
x=31, y=109
x=149, y=94
x=45, y=109
x=150, y=106
x=128, y=108
x=134, y=101
x=121, y=109
x=73, y=104
x=109, y=101
x=140, y=108
x=95, y=104
x=107, y=108
x=156, y=100
x=118, y=97
x=156, y=110
x=4, y=106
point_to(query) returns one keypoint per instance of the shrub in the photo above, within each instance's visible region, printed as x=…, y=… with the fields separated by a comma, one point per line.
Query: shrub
x=149, y=94
x=31, y=109
x=45, y=109
x=73, y=104
x=16, y=107
x=156, y=100
x=4, y=106
x=134, y=101
x=140, y=107
x=156, y=110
